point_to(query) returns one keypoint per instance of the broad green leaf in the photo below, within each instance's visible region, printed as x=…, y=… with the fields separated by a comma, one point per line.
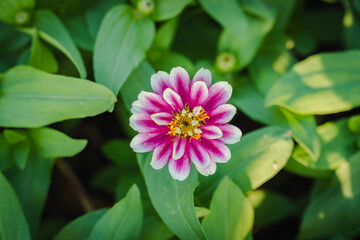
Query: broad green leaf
x=166, y=60
x=122, y=221
x=13, y=225
x=14, y=136
x=321, y=84
x=120, y=46
x=295, y=167
x=120, y=153
x=258, y=157
x=50, y=143
x=32, y=98
x=52, y=30
x=231, y=214
x=6, y=158
x=31, y=186
x=284, y=11
x=165, y=34
x=10, y=8
x=337, y=142
x=251, y=102
x=139, y=80
x=80, y=228
x=78, y=29
x=154, y=228
x=230, y=15
x=270, y=207
x=260, y=21
x=21, y=153
x=173, y=200
x=166, y=9
x=41, y=57
x=351, y=24
x=333, y=208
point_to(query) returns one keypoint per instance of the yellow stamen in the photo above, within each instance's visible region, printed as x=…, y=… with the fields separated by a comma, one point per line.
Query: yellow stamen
x=186, y=124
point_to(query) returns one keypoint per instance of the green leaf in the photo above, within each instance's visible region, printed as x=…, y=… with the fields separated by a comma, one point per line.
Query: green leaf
x=122, y=221
x=21, y=153
x=13, y=225
x=251, y=102
x=14, y=136
x=338, y=143
x=230, y=15
x=78, y=29
x=50, y=143
x=351, y=24
x=9, y=9
x=270, y=207
x=322, y=84
x=166, y=9
x=52, y=30
x=258, y=157
x=231, y=214
x=80, y=228
x=260, y=20
x=120, y=46
x=32, y=98
x=120, y=153
x=166, y=60
x=165, y=34
x=41, y=57
x=6, y=159
x=139, y=80
x=31, y=186
x=178, y=213
x=334, y=207
x=154, y=228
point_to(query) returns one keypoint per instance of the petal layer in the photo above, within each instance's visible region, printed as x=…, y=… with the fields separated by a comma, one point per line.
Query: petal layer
x=209, y=170
x=211, y=132
x=153, y=103
x=180, y=82
x=231, y=134
x=198, y=154
x=222, y=114
x=218, y=151
x=198, y=94
x=179, y=147
x=159, y=82
x=161, y=154
x=146, y=142
x=203, y=75
x=180, y=169
x=219, y=93
x=173, y=99
x=163, y=118
x=143, y=123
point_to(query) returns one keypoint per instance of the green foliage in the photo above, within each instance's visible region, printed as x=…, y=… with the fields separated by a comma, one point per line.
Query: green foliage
x=12, y=220
x=230, y=211
x=294, y=71
x=120, y=46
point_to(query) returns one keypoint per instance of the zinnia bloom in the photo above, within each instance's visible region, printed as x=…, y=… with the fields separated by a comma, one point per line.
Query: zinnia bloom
x=184, y=122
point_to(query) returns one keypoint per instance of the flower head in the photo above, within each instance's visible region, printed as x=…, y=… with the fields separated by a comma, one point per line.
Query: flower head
x=184, y=122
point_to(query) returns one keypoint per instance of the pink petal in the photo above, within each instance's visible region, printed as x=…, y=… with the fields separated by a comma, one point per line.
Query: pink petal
x=219, y=93
x=163, y=118
x=153, y=103
x=218, y=151
x=143, y=123
x=203, y=75
x=180, y=169
x=146, y=142
x=180, y=82
x=162, y=154
x=173, y=99
x=198, y=94
x=231, y=134
x=136, y=107
x=209, y=170
x=198, y=154
x=179, y=147
x=210, y=132
x=160, y=81
x=222, y=114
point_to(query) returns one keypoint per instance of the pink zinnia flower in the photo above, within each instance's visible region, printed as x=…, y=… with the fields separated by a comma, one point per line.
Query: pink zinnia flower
x=183, y=122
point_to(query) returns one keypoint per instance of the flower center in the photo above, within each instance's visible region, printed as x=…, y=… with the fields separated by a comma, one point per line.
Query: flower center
x=186, y=123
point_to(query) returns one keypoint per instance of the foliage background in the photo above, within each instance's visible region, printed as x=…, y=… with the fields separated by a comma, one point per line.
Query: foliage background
x=71, y=69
